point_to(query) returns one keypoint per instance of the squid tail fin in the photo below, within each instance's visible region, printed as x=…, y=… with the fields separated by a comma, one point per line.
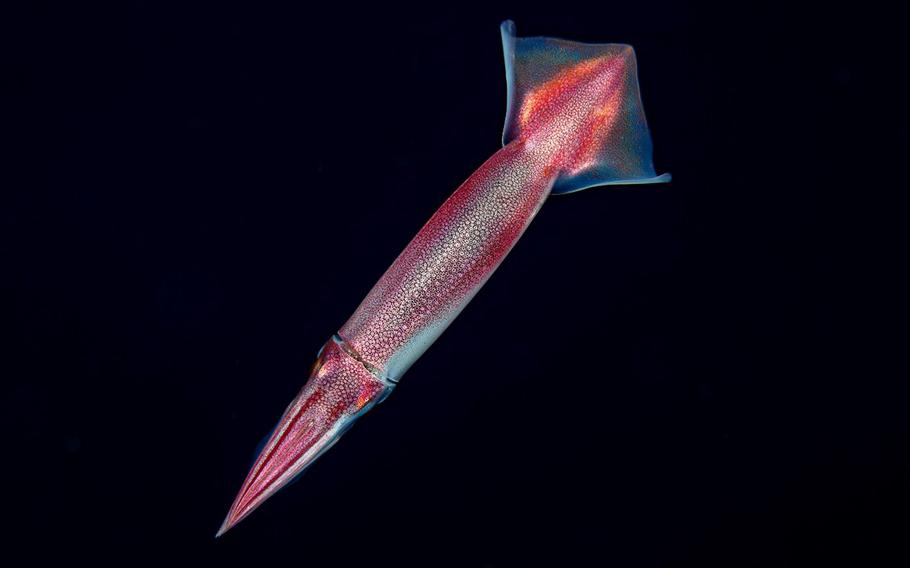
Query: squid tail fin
x=617, y=147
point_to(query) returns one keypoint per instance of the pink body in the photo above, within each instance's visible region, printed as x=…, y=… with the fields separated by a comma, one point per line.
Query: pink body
x=448, y=261
x=561, y=122
x=469, y=236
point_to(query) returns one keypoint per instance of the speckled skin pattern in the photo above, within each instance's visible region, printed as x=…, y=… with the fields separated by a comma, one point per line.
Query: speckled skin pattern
x=448, y=261
x=574, y=120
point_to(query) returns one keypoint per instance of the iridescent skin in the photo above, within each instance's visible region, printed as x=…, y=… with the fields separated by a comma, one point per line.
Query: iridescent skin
x=574, y=121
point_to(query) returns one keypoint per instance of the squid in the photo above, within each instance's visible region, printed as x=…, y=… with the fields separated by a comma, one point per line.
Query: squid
x=574, y=120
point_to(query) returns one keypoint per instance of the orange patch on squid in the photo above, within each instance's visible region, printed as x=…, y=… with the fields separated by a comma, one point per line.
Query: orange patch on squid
x=598, y=129
x=546, y=94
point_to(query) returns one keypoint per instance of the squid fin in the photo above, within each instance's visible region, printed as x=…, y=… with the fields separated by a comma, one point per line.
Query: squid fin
x=619, y=150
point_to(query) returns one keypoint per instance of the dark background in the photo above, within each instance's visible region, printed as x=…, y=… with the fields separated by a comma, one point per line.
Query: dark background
x=198, y=195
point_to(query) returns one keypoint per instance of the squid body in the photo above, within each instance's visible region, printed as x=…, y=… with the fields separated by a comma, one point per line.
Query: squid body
x=574, y=120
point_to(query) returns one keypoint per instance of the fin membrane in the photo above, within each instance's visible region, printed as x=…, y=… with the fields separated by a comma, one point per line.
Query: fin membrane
x=619, y=152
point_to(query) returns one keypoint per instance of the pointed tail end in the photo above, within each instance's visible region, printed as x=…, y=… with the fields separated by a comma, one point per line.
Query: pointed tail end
x=340, y=390
x=233, y=517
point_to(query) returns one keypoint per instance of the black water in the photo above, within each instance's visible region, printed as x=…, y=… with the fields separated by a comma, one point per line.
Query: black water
x=691, y=374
